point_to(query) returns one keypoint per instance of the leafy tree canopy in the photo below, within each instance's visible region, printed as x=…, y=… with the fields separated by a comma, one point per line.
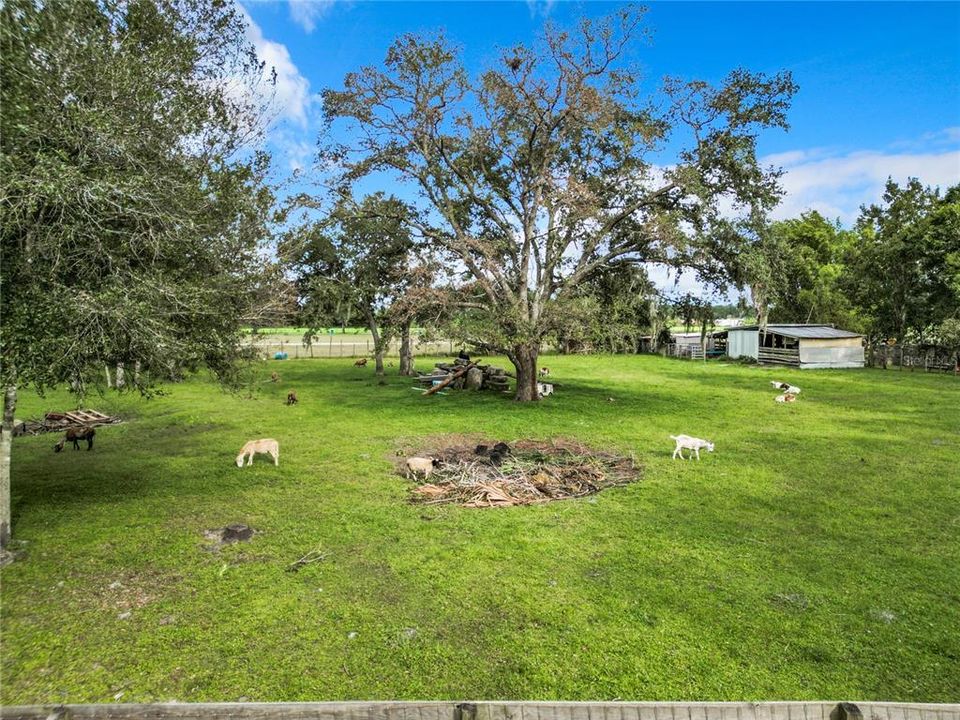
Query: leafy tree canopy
x=357, y=257
x=549, y=167
x=132, y=206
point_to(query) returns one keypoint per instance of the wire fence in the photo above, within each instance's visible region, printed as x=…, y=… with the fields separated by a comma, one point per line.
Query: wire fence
x=909, y=357
x=914, y=357
x=337, y=347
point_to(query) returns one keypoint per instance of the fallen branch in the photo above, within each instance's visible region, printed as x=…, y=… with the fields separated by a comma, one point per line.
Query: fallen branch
x=311, y=557
x=454, y=376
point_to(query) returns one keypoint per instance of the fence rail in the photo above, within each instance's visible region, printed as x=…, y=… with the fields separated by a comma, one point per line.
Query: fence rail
x=494, y=711
x=692, y=351
x=778, y=356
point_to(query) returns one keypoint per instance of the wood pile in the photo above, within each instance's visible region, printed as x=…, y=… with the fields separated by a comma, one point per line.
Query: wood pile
x=530, y=473
x=464, y=374
x=60, y=421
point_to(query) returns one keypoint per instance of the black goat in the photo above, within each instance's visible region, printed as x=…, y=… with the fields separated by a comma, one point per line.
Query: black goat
x=76, y=434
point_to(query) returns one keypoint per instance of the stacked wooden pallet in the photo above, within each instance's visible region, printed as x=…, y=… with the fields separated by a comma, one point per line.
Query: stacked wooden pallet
x=60, y=421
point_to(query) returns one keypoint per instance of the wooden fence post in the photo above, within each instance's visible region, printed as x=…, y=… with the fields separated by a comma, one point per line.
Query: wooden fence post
x=846, y=711
x=465, y=711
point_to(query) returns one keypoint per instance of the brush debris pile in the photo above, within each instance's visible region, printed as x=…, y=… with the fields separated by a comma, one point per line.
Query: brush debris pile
x=525, y=473
x=462, y=374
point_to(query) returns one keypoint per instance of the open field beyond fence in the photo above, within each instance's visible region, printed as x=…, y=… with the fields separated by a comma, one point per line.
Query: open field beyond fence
x=813, y=555
x=337, y=343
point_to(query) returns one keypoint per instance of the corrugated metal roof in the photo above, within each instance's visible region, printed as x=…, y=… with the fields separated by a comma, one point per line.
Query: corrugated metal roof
x=804, y=331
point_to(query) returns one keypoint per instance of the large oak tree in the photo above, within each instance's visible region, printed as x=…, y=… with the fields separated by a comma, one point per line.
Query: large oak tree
x=556, y=162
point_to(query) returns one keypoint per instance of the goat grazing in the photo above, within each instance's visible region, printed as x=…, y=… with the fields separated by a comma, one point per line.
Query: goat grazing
x=544, y=372
x=266, y=445
x=360, y=363
x=544, y=389
x=292, y=398
x=76, y=434
x=689, y=443
x=421, y=466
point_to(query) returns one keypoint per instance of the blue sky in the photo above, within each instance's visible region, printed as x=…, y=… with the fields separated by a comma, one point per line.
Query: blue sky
x=879, y=82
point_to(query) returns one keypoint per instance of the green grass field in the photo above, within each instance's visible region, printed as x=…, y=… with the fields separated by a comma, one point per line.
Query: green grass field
x=814, y=555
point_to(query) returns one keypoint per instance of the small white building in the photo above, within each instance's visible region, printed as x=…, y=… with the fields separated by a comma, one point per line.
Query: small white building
x=803, y=346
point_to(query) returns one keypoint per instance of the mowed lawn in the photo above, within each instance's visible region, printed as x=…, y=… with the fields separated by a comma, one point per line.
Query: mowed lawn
x=814, y=555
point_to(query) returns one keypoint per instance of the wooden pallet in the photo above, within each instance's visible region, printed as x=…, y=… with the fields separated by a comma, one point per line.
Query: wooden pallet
x=81, y=417
x=60, y=421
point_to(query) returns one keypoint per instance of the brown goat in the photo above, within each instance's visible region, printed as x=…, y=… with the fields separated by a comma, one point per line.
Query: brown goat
x=360, y=363
x=76, y=434
x=292, y=398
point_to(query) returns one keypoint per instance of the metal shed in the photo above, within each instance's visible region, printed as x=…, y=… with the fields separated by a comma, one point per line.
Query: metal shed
x=803, y=346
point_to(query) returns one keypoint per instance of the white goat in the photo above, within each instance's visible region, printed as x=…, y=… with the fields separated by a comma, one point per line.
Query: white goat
x=544, y=389
x=786, y=387
x=266, y=445
x=785, y=398
x=421, y=465
x=690, y=443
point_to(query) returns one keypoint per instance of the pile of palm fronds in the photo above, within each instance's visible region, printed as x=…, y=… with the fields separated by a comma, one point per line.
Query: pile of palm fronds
x=529, y=472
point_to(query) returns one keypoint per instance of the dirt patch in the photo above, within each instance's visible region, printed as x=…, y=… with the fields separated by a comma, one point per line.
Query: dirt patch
x=228, y=535
x=477, y=472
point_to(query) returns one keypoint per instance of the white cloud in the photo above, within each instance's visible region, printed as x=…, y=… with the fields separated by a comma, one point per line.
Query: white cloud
x=673, y=283
x=290, y=97
x=837, y=185
x=306, y=13
x=940, y=138
x=539, y=8
x=296, y=150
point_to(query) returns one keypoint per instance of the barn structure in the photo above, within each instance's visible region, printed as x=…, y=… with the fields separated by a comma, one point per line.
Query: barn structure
x=803, y=346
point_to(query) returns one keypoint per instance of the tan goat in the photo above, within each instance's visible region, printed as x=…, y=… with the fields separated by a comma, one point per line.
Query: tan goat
x=266, y=445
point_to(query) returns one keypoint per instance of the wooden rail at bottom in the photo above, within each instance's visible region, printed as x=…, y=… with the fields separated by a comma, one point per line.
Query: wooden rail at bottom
x=493, y=711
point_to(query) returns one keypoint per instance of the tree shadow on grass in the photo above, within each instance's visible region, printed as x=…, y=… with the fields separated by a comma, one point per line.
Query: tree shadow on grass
x=115, y=470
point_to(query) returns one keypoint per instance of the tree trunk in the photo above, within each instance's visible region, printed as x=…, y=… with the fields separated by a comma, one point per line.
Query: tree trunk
x=377, y=345
x=106, y=371
x=119, y=380
x=6, y=445
x=406, y=351
x=524, y=359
